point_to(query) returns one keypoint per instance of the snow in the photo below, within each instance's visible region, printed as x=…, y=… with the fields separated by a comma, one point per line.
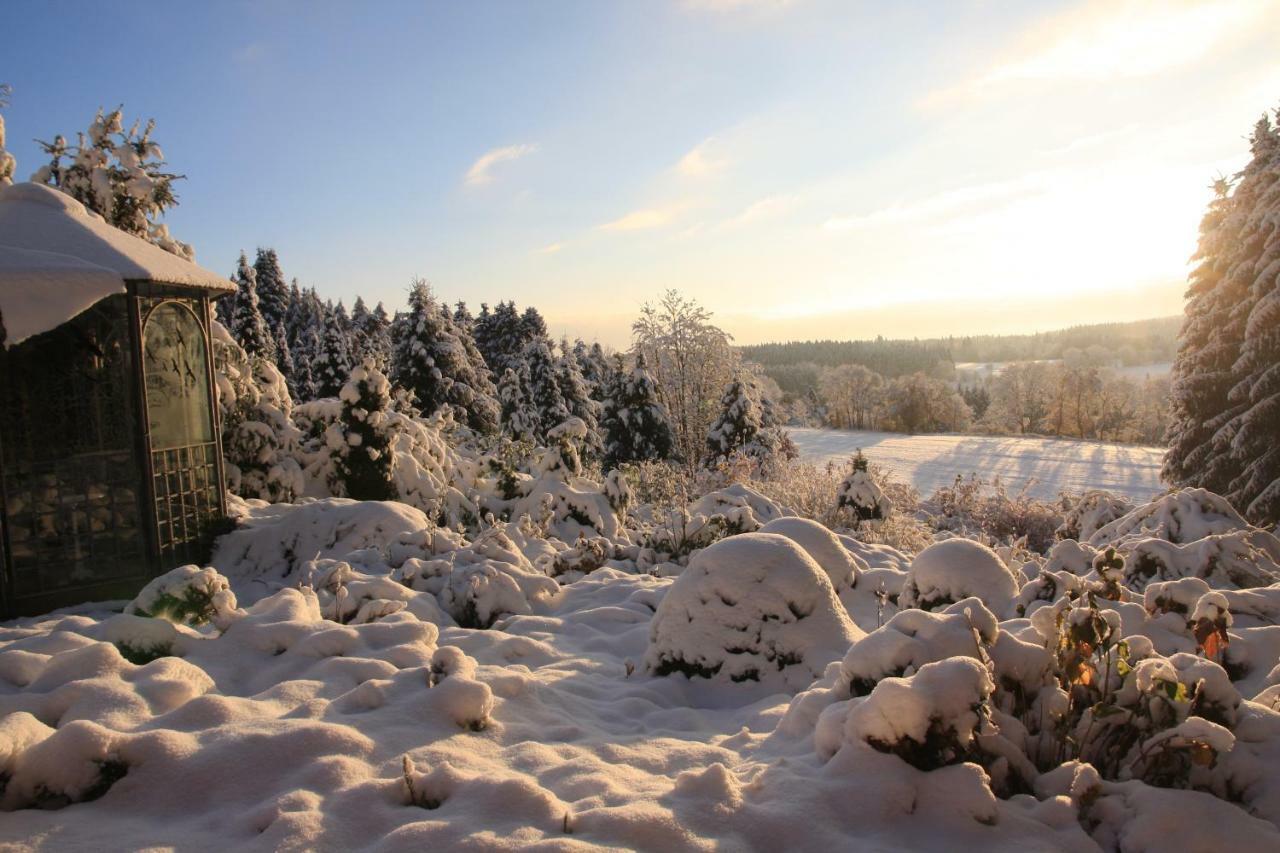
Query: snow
x=56, y=259
x=335, y=699
x=1045, y=466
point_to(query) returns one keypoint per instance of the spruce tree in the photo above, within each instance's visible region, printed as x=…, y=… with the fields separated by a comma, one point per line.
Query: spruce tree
x=273, y=293
x=364, y=467
x=519, y=419
x=747, y=425
x=440, y=364
x=1256, y=489
x=543, y=390
x=247, y=325
x=332, y=366
x=576, y=394
x=636, y=426
x=1223, y=410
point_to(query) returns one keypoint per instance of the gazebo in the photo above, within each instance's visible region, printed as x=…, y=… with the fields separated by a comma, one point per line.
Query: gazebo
x=110, y=466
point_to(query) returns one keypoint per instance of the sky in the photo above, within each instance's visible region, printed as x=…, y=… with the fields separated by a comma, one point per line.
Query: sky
x=804, y=169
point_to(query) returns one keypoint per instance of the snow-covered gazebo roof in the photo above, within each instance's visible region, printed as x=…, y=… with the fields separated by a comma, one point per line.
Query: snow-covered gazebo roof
x=57, y=259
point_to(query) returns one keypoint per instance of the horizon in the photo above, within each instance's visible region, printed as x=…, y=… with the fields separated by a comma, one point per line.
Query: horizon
x=910, y=173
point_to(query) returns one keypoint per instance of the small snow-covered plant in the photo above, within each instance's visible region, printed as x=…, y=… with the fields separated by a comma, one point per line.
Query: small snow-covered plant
x=187, y=595
x=860, y=494
x=618, y=491
x=1092, y=511
x=952, y=569
x=584, y=557
x=972, y=506
x=1110, y=568
x=753, y=607
x=931, y=719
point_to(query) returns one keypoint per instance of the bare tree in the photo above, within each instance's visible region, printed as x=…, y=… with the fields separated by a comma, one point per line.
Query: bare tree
x=692, y=361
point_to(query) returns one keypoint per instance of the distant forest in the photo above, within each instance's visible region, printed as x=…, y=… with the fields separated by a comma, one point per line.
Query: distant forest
x=794, y=365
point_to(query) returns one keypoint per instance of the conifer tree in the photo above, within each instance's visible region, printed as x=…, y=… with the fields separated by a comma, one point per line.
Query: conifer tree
x=576, y=394
x=746, y=425
x=364, y=467
x=543, y=390
x=332, y=367
x=636, y=426
x=440, y=364
x=519, y=419
x=1224, y=411
x=247, y=324
x=273, y=293
x=118, y=174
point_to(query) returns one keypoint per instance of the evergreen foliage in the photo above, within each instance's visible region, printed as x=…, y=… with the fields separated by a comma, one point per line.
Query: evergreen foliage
x=365, y=467
x=246, y=322
x=636, y=426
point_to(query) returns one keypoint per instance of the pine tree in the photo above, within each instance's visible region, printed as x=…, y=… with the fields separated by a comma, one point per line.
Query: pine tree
x=247, y=324
x=1256, y=489
x=462, y=317
x=364, y=468
x=273, y=293
x=636, y=426
x=309, y=347
x=440, y=364
x=576, y=394
x=119, y=175
x=519, y=419
x=1224, y=405
x=284, y=356
x=502, y=337
x=533, y=325
x=543, y=390
x=747, y=425
x=332, y=366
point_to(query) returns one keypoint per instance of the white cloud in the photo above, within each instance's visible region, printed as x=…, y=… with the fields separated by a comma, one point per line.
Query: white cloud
x=479, y=173
x=944, y=205
x=1115, y=39
x=765, y=208
x=702, y=160
x=638, y=220
x=551, y=249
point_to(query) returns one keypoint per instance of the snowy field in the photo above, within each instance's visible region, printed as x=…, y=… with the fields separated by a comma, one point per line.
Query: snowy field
x=1045, y=466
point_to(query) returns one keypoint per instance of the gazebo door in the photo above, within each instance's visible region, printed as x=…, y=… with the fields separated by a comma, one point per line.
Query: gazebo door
x=182, y=444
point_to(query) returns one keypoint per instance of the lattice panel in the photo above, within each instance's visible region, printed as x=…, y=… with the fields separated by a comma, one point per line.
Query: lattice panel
x=186, y=500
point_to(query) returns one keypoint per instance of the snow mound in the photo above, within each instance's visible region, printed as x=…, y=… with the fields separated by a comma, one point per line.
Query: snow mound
x=751, y=607
x=826, y=549
x=954, y=569
x=1093, y=511
x=275, y=540
x=1180, y=517
x=1232, y=560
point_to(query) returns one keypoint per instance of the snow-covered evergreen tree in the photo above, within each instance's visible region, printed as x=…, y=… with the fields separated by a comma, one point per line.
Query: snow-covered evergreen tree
x=309, y=346
x=1224, y=407
x=440, y=364
x=247, y=325
x=636, y=426
x=502, y=337
x=365, y=467
x=118, y=174
x=860, y=493
x=1256, y=489
x=332, y=366
x=462, y=317
x=576, y=393
x=519, y=418
x=746, y=426
x=533, y=325
x=543, y=389
x=273, y=293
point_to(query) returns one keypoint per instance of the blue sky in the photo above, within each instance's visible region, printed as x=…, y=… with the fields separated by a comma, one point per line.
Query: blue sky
x=803, y=168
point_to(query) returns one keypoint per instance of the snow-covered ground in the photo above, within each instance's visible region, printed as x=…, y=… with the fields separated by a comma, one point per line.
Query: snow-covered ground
x=1045, y=466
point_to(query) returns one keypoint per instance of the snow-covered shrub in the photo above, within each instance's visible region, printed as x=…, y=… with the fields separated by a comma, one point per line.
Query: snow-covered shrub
x=480, y=583
x=930, y=719
x=972, y=507
x=826, y=549
x=260, y=442
x=954, y=569
x=751, y=607
x=1179, y=517
x=860, y=494
x=1229, y=561
x=187, y=595
x=1092, y=511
